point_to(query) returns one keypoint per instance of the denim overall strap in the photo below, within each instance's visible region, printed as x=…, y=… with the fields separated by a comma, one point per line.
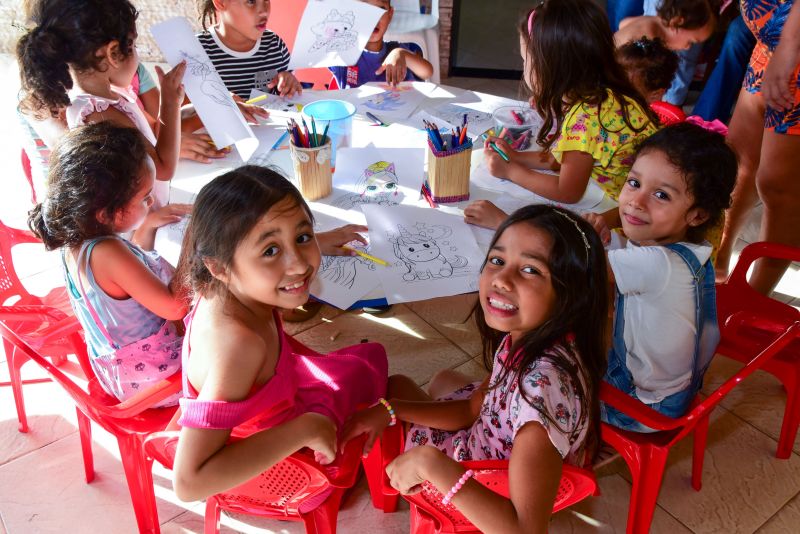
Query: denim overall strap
x=617, y=373
x=707, y=330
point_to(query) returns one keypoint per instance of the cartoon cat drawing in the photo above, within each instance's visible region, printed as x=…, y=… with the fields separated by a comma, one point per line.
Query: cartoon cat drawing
x=335, y=32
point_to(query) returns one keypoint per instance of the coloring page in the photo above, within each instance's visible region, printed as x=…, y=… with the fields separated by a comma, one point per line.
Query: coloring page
x=343, y=280
x=213, y=102
x=389, y=103
x=169, y=239
x=333, y=32
x=432, y=253
x=477, y=121
x=384, y=177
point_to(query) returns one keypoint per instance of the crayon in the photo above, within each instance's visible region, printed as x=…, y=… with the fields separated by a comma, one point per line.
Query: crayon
x=367, y=256
x=517, y=117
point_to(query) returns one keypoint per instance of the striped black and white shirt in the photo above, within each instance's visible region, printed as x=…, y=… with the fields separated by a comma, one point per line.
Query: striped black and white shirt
x=243, y=71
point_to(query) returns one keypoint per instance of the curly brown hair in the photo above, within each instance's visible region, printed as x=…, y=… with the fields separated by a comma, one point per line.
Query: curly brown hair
x=691, y=14
x=67, y=34
x=650, y=65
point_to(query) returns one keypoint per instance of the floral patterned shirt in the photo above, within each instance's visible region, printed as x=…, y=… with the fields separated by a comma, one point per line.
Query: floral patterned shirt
x=604, y=135
x=505, y=411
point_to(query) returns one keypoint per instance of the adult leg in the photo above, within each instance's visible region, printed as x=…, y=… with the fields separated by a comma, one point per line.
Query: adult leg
x=744, y=135
x=719, y=94
x=621, y=9
x=779, y=189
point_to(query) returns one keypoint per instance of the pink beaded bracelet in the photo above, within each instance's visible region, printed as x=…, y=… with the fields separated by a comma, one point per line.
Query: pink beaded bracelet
x=458, y=485
x=390, y=410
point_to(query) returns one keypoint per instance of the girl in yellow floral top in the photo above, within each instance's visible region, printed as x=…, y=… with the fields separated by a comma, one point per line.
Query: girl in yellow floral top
x=583, y=94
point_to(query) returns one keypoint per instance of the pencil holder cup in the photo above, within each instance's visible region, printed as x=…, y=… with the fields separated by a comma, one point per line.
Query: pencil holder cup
x=338, y=115
x=312, y=169
x=516, y=125
x=448, y=172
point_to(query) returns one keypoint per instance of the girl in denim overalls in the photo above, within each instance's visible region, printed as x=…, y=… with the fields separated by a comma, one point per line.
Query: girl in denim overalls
x=665, y=322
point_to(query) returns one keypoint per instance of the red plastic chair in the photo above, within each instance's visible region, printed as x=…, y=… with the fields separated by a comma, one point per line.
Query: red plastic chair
x=130, y=421
x=430, y=516
x=279, y=492
x=43, y=337
x=28, y=171
x=768, y=317
x=668, y=113
x=646, y=453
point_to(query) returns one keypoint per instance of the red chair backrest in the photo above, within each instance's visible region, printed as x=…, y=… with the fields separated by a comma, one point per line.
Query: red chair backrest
x=11, y=289
x=576, y=484
x=668, y=113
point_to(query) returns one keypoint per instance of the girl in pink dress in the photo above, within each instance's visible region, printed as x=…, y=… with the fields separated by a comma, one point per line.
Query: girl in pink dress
x=542, y=311
x=249, y=250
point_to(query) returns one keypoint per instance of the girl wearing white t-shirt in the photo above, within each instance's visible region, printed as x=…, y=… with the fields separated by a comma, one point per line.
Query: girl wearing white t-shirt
x=665, y=323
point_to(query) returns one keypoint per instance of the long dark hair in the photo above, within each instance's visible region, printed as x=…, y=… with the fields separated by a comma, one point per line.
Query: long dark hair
x=573, y=337
x=571, y=51
x=208, y=15
x=225, y=211
x=68, y=33
x=93, y=168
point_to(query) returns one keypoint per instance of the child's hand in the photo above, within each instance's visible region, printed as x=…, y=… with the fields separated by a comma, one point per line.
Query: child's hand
x=600, y=225
x=484, y=213
x=395, y=67
x=330, y=242
x=497, y=166
x=407, y=471
x=371, y=421
x=169, y=214
x=171, y=83
x=200, y=147
x=250, y=112
x=286, y=83
x=321, y=432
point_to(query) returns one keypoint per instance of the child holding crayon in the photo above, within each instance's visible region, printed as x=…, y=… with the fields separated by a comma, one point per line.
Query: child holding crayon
x=585, y=96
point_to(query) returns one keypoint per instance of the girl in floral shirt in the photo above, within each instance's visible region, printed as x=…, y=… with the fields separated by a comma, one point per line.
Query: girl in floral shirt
x=542, y=310
x=592, y=114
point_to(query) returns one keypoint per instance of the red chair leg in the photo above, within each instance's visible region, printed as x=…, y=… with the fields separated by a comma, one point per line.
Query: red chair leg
x=85, y=431
x=322, y=519
x=791, y=417
x=700, y=437
x=646, y=487
x=421, y=523
x=386, y=449
x=140, y=483
x=212, y=516
x=15, y=362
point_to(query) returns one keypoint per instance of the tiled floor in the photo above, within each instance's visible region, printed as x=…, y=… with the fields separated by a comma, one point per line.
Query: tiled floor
x=41, y=478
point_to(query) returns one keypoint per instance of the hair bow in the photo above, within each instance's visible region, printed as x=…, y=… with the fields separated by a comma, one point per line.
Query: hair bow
x=715, y=126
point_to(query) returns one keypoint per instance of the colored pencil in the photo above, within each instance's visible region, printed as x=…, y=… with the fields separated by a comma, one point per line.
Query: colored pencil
x=314, y=130
x=325, y=133
x=367, y=256
x=500, y=152
x=256, y=99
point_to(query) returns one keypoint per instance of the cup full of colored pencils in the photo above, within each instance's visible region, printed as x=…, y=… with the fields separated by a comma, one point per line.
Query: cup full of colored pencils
x=311, y=156
x=449, y=158
x=517, y=125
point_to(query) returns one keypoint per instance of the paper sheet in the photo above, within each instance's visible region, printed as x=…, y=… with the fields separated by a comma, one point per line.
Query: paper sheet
x=288, y=105
x=169, y=239
x=432, y=253
x=388, y=103
x=343, y=280
x=212, y=100
x=333, y=32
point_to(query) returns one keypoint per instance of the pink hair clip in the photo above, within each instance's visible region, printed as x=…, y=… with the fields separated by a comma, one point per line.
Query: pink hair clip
x=531, y=18
x=715, y=126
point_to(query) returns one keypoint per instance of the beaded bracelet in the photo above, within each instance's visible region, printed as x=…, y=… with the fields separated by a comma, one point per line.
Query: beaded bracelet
x=390, y=410
x=461, y=481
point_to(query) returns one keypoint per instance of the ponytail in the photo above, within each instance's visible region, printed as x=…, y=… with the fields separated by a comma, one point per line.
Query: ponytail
x=208, y=15
x=44, y=72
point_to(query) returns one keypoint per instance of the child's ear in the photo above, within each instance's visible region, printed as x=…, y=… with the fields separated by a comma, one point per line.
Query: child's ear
x=675, y=22
x=219, y=5
x=696, y=216
x=112, y=53
x=216, y=270
x=103, y=217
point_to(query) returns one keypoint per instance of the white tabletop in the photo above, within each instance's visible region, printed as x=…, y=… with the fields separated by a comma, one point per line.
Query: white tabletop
x=191, y=176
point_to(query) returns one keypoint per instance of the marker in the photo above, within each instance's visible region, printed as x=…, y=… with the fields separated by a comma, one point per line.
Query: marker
x=500, y=152
x=366, y=256
x=375, y=119
x=256, y=99
x=517, y=117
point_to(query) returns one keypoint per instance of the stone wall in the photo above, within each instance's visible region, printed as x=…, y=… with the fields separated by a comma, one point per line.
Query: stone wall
x=445, y=31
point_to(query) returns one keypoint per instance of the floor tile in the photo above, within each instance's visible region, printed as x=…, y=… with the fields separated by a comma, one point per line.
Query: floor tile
x=786, y=520
x=608, y=512
x=760, y=400
x=452, y=317
x=325, y=314
x=49, y=493
x=743, y=483
x=51, y=417
x=414, y=347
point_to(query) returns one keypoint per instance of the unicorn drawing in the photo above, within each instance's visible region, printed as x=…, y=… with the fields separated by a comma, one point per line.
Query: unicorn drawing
x=422, y=255
x=377, y=185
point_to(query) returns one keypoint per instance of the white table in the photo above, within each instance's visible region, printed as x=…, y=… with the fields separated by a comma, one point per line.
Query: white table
x=191, y=176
